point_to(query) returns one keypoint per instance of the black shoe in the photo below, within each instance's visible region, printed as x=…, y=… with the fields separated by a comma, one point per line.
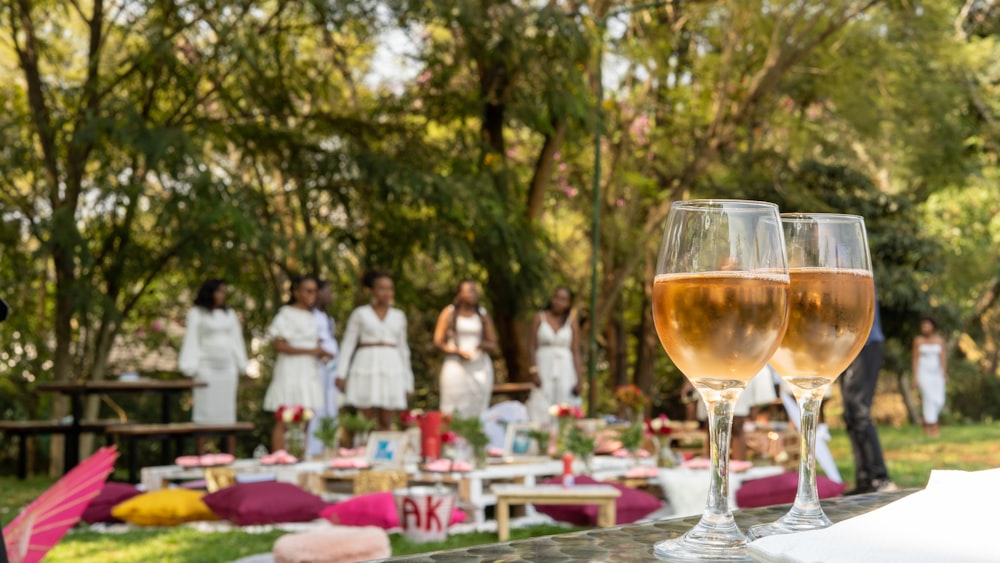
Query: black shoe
x=861, y=489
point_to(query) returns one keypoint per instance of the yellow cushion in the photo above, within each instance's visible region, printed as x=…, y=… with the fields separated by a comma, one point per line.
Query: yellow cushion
x=169, y=507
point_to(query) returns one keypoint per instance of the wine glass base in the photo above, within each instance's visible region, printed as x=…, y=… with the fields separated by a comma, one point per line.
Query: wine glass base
x=723, y=542
x=790, y=523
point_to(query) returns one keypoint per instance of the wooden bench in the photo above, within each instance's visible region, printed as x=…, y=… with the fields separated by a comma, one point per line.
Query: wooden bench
x=603, y=496
x=132, y=433
x=23, y=430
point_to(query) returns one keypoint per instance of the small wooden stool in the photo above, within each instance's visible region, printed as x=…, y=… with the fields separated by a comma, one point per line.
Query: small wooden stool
x=604, y=496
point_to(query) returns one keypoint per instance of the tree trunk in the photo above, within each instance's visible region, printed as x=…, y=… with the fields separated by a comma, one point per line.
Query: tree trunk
x=511, y=331
x=912, y=411
x=647, y=342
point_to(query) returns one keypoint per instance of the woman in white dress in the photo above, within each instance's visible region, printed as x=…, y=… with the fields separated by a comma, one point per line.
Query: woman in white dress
x=213, y=351
x=374, y=370
x=555, y=348
x=930, y=373
x=296, y=381
x=466, y=335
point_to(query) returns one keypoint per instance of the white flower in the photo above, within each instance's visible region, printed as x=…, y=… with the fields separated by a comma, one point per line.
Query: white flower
x=554, y=410
x=287, y=415
x=307, y=415
x=656, y=424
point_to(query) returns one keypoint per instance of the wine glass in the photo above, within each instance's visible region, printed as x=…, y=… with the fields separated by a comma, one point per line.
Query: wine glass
x=720, y=306
x=831, y=313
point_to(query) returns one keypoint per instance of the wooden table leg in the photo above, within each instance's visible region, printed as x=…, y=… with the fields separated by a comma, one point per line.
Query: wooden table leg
x=503, y=520
x=607, y=514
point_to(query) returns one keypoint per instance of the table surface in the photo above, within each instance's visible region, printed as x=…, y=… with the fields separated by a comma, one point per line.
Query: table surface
x=116, y=385
x=634, y=542
x=546, y=491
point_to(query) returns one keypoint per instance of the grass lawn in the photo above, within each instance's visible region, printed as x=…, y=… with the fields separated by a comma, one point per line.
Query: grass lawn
x=909, y=454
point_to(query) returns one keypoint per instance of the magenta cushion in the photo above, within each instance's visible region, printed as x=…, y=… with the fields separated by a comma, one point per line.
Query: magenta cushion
x=631, y=506
x=113, y=494
x=373, y=509
x=269, y=502
x=780, y=489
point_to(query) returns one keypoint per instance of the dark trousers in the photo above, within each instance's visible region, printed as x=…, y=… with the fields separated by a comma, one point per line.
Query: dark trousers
x=857, y=385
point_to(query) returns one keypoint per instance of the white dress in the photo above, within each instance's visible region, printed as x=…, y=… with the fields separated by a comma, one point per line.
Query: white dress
x=930, y=378
x=556, y=369
x=467, y=385
x=375, y=360
x=213, y=351
x=328, y=372
x=296, y=376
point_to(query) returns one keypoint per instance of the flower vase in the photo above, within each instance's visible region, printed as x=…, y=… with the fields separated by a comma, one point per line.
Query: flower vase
x=360, y=439
x=481, y=457
x=295, y=441
x=664, y=455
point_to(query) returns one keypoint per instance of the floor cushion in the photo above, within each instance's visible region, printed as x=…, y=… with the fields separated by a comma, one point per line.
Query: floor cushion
x=268, y=502
x=111, y=495
x=631, y=506
x=168, y=507
x=780, y=489
x=373, y=509
x=337, y=544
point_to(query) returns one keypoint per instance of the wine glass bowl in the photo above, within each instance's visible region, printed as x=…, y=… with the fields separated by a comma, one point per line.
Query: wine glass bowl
x=720, y=305
x=832, y=307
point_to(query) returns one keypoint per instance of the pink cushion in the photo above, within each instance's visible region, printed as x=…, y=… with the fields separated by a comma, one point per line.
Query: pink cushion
x=269, y=502
x=631, y=506
x=333, y=545
x=780, y=489
x=374, y=509
x=99, y=509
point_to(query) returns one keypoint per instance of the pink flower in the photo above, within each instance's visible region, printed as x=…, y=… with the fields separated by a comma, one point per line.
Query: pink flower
x=424, y=77
x=562, y=166
x=156, y=326
x=511, y=153
x=140, y=333
x=620, y=203
x=557, y=155
x=570, y=191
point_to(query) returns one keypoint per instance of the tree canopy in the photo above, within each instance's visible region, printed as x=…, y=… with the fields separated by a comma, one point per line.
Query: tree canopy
x=147, y=145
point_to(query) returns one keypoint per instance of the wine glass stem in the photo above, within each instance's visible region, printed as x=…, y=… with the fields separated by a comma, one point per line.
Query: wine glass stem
x=807, y=497
x=720, y=426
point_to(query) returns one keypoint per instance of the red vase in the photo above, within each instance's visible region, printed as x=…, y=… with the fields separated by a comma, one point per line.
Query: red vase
x=430, y=435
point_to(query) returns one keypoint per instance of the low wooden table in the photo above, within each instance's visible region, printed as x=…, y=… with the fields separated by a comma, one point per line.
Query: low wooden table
x=603, y=496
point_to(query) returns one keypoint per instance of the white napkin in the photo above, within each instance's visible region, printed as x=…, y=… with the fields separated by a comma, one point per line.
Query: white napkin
x=952, y=520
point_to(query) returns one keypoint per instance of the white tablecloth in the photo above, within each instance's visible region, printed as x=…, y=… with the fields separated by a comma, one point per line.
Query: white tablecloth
x=953, y=520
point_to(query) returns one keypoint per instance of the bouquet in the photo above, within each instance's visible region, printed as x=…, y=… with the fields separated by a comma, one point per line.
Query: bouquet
x=293, y=414
x=564, y=410
x=411, y=417
x=659, y=426
x=565, y=414
x=631, y=437
x=470, y=430
x=631, y=396
x=328, y=431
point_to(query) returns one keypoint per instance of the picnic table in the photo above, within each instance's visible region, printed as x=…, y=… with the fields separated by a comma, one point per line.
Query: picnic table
x=76, y=390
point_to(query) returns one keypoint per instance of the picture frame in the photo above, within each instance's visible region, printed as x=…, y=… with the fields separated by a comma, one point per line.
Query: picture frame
x=518, y=441
x=386, y=448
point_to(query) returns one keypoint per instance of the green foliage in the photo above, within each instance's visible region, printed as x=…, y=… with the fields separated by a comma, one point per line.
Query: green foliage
x=580, y=443
x=542, y=437
x=631, y=437
x=327, y=432
x=471, y=429
x=356, y=423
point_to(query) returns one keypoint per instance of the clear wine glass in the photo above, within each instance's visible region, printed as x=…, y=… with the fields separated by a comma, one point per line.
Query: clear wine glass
x=831, y=313
x=720, y=306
